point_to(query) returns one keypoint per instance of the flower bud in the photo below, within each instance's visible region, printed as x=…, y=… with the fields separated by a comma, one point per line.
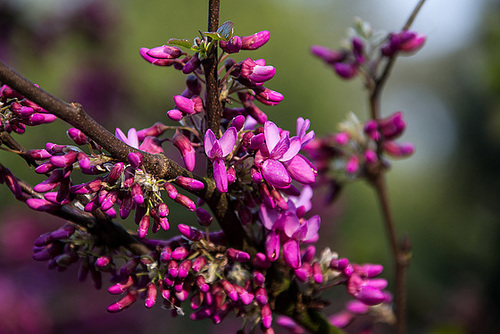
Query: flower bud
x=189, y=183
x=237, y=255
x=231, y=46
x=190, y=232
x=190, y=106
x=77, y=136
x=192, y=64
x=255, y=41
x=135, y=159
x=125, y=302
x=186, y=202
x=183, y=144
x=175, y=115
x=204, y=218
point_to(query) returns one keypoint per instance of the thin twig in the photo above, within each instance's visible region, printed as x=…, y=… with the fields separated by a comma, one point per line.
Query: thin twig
x=401, y=255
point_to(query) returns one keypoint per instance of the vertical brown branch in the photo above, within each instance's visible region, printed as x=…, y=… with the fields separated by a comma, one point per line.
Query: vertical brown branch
x=213, y=105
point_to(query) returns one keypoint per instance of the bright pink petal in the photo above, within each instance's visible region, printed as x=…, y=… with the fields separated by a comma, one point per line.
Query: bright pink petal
x=228, y=140
x=272, y=135
x=275, y=173
x=293, y=149
x=210, y=139
x=291, y=254
x=291, y=224
x=220, y=175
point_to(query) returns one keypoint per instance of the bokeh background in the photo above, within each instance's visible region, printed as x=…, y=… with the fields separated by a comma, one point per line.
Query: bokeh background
x=446, y=198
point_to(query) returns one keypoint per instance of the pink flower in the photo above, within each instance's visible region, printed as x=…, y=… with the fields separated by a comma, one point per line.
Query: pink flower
x=216, y=150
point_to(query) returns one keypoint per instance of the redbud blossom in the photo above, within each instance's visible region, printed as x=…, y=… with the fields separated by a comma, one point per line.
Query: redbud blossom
x=255, y=41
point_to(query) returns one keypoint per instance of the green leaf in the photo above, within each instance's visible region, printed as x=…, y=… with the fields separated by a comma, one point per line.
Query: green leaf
x=214, y=35
x=185, y=43
x=226, y=30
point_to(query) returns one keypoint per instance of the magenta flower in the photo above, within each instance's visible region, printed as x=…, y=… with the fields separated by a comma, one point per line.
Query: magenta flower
x=150, y=144
x=297, y=231
x=216, y=150
x=278, y=149
x=256, y=72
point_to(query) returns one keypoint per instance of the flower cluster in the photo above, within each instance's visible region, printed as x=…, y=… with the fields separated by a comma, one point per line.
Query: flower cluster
x=17, y=112
x=365, y=52
x=243, y=79
x=357, y=149
x=254, y=165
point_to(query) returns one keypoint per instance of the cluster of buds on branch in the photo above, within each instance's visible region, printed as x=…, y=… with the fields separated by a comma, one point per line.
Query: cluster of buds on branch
x=258, y=187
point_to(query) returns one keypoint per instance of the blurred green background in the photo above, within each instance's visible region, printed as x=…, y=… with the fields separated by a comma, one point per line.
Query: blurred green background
x=446, y=197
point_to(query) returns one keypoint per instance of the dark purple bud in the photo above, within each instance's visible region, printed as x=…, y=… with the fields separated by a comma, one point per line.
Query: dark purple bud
x=204, y=218
x=129, y=266
x=346, y=70
x=393, y=126
x=259, y=279
x=135, y=159
x=192, y=64
x=231, y=46
x=123, y=303
x=9, y=93
x=237, y=122
x=128, y=176
x=78, y=136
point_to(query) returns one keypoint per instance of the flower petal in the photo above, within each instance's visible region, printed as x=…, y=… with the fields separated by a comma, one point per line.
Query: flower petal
x=313, y=225
x=267, y=217
x=210, y=139
x=132, y=138
x=291, y=254
x=272, y=246
x=272, y=135
x=275, y=173
x=291, y=224
x=301, y=169
x=228, y=140
x=293, y=149
x=220, y=175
